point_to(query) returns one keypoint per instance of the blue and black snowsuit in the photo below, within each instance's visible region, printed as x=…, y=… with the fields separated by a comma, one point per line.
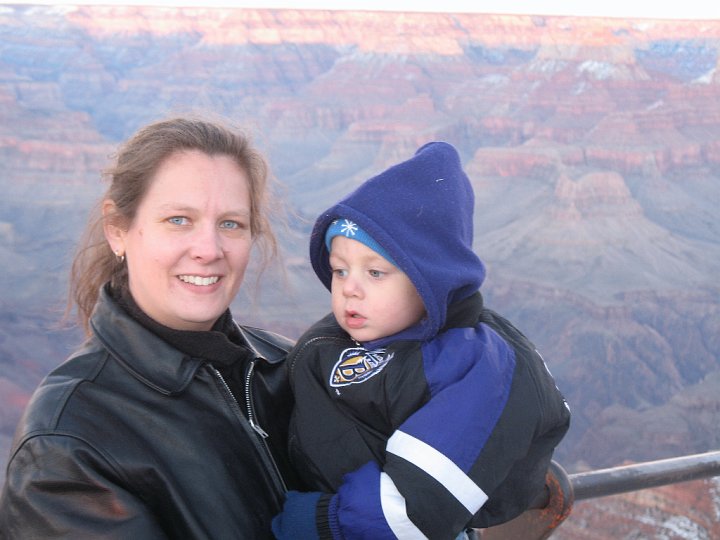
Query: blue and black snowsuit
x=446, y=425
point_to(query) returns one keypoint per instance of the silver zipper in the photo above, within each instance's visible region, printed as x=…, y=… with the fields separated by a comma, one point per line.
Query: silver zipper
x=249, y=405
x=252, y=423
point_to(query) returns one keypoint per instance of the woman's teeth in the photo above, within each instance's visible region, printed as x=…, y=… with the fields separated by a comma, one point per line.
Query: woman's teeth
x=198, y=280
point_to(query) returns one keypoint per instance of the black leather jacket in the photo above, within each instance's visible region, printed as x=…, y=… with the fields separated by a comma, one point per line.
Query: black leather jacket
x=130, y=439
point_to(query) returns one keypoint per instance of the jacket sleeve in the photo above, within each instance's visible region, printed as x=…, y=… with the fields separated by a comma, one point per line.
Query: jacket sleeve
x=443, y=463
x=59, y=487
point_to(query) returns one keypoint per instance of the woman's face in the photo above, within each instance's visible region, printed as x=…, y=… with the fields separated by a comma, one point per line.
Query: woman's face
x=189, y=244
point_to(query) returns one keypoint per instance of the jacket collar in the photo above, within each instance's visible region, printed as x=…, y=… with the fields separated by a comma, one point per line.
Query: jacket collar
x=147, y=357
x=465, y=313
x=156, y=363
x=265, y=345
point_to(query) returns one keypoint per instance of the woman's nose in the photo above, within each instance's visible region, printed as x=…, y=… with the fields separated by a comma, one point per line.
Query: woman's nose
x=206, y=244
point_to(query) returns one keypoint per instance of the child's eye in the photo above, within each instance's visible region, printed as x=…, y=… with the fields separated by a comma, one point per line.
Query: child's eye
x=339, y=272
x=376, y=273
x=178, y=220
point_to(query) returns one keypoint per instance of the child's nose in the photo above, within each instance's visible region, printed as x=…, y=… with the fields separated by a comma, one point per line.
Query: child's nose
x=352, y=287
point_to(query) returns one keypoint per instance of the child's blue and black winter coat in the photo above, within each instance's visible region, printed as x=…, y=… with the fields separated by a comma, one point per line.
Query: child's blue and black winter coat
x=446, y=425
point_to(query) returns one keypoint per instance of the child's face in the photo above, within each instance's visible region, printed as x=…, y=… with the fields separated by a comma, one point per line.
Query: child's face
x=371, y=298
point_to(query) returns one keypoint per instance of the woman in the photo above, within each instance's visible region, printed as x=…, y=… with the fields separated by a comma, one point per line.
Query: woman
x=171, y=421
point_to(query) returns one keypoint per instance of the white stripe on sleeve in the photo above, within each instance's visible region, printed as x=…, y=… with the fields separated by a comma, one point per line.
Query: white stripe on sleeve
x=395, y=511
x=439, y=467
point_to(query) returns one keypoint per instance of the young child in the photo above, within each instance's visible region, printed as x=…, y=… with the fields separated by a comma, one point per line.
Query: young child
x=419, y=412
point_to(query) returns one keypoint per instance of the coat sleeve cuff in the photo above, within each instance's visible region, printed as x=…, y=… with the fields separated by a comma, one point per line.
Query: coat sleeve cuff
x=326, y=517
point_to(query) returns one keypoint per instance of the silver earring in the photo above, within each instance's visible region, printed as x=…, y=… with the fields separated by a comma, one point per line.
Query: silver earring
x=120, y=258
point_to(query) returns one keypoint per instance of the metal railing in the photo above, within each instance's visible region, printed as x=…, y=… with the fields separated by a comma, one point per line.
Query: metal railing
x=600, y=483
x=554, y=505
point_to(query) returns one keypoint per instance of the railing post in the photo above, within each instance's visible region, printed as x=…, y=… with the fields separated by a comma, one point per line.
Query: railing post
x=547, y=512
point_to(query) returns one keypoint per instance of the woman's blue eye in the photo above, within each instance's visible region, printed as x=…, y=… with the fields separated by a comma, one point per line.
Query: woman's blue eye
x=229, y=224
x=177, y=220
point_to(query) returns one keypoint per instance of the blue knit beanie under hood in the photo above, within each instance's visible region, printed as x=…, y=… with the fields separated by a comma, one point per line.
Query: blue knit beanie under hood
x=421, y=212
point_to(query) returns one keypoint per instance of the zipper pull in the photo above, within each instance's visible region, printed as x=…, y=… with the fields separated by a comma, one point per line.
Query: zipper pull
x=260, y=431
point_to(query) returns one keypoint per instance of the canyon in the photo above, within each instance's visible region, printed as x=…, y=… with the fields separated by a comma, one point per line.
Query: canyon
x=593, y=146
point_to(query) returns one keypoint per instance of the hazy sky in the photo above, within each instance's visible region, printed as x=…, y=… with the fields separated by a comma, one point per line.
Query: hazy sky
x=678, y=9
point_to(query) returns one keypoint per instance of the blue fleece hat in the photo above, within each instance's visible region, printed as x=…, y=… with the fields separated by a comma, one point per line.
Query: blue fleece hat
x=350, y=229
x=421, y=212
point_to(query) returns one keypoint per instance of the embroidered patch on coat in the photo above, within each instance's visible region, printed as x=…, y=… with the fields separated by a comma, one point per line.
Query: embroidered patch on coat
x=357, y=365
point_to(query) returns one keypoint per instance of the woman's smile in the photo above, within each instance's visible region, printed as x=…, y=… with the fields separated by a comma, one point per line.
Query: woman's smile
x=199, y=280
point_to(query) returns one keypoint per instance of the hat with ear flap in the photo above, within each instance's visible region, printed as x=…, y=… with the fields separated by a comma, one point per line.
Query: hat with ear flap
x=420, y=212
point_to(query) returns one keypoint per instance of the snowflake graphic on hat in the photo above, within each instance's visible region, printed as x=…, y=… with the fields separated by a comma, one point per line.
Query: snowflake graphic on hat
x=348, y=228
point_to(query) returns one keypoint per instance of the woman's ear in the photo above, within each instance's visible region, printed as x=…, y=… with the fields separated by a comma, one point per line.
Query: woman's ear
x=114, y=234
